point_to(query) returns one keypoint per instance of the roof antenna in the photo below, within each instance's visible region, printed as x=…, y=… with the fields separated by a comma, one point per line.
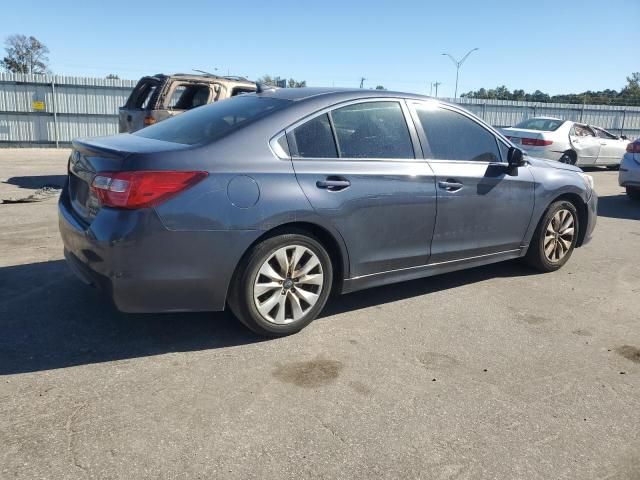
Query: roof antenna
x=205, y=73
x=263, y=87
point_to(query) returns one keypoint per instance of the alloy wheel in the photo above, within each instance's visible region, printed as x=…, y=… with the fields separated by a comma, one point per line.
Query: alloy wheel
x=288, y=284
x=558, y=237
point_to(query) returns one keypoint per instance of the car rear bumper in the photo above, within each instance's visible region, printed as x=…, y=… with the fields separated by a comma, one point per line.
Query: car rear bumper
x=629, y=175
x=144, y=267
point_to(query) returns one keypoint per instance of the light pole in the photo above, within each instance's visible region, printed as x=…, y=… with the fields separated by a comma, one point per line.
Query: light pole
x=458, y=64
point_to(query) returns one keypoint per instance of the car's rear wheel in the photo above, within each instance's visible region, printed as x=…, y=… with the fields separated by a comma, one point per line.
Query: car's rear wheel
x=555, y=237
x=633, y=193
x=282, y=284
x=568, y=157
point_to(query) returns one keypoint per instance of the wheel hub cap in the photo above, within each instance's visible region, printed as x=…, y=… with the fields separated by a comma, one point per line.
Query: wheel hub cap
x=558, y=238
x=288, y=284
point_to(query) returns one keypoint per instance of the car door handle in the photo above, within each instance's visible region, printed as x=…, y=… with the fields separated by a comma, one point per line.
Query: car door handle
x=450, y=185
x=333, y=183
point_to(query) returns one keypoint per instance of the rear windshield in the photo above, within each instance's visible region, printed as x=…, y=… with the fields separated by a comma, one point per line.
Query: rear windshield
x=211, y=122
x=543, y=124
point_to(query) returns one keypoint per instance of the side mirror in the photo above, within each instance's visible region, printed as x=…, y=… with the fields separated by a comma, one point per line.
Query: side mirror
x=515, y=158
x=623, y=137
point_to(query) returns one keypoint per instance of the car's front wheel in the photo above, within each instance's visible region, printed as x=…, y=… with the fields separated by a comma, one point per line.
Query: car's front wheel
x=555, y=237
x=568, y=157
x=282, y=284
x=633, y=193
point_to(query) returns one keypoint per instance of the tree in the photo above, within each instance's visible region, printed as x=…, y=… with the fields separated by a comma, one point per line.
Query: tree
x=267, y=80
x=273, y=81
x=25, y=55
x=380, y=87
x=113, y=76
x=632, y=90
x=295, y=84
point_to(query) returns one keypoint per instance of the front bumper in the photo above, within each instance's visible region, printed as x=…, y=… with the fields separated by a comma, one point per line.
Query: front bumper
x=144, y=267
x=592, y=217
x=629, y=175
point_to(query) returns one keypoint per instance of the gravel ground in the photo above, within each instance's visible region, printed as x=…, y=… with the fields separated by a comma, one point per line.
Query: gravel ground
x=495, y=372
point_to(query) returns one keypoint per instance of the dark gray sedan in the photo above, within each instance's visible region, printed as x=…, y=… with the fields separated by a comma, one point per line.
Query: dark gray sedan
x=268, y=202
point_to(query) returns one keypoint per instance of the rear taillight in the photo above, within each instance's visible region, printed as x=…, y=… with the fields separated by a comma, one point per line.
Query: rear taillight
x=141, y=189
x=633, y=147
x=536, y=142
x=149, y=120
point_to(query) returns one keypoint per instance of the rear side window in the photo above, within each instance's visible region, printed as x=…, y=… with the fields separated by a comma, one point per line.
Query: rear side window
x=372, y=130
x=452, y=136
x=186, y=97
x=314, y=139
x=213, y=121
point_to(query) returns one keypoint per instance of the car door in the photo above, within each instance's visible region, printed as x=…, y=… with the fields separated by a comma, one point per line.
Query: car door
x=585, y=143
x=483, y=209
x=612, y=148
x=357, y=164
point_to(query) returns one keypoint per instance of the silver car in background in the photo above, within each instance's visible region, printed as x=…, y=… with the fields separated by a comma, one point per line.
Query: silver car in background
x=629, y=176
x=568, y=142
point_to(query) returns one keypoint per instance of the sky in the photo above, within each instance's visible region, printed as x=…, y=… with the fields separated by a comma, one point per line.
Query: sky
x=555, y=46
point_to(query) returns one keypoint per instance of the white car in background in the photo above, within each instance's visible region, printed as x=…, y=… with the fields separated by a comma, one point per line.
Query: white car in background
x=568, y=142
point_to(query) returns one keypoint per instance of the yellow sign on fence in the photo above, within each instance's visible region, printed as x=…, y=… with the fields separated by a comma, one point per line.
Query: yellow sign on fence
x=37, y=105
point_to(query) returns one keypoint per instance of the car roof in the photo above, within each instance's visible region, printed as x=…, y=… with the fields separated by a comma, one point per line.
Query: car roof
x=305, y=93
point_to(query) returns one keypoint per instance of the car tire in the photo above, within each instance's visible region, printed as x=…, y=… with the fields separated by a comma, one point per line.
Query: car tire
x=282, y=284
x=568, y=158
x=633, y=193
x=555, y=237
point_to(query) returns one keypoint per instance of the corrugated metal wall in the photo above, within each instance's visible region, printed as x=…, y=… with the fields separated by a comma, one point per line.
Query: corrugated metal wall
x=45, y=110
x=504, y=113
x=42, y=110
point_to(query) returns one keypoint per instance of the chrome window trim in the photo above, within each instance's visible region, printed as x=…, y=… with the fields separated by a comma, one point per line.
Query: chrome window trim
x=411, y=129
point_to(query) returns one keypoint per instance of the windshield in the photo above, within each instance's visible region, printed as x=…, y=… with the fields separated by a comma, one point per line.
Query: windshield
x=543, y=124
x=211, y=122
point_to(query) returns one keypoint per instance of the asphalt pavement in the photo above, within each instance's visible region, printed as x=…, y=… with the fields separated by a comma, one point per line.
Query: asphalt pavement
x=495, y=372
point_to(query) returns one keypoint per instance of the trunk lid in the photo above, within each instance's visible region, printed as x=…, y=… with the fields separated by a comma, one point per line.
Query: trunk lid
x=103, y=154
x=517, y=134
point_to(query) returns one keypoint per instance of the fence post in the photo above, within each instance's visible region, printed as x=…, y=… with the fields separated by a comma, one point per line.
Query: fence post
x=624, y=115
x=55, y=110
x=484, y=111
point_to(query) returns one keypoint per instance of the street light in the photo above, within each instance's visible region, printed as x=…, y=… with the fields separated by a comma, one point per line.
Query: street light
x=458, y=64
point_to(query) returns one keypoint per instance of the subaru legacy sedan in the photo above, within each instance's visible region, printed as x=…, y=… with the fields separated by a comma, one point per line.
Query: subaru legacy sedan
x=269, y=202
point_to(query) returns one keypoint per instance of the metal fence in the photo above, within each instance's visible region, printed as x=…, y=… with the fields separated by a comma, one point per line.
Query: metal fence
x=620, y=120
x=51, y=110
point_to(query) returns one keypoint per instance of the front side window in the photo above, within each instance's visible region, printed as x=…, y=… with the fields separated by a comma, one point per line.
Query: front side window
x=453, y=136
x=372, y=130
x=314, y=139
x=604, y=134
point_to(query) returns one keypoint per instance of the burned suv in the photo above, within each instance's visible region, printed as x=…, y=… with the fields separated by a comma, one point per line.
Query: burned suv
x=159, y=97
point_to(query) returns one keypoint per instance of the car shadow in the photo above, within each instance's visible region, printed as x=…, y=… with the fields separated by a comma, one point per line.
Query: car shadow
x=618, y=206
x=49, y=320
x=37, y=181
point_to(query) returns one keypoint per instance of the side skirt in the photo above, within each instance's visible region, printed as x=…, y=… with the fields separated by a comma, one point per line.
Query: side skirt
x=411, y=273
